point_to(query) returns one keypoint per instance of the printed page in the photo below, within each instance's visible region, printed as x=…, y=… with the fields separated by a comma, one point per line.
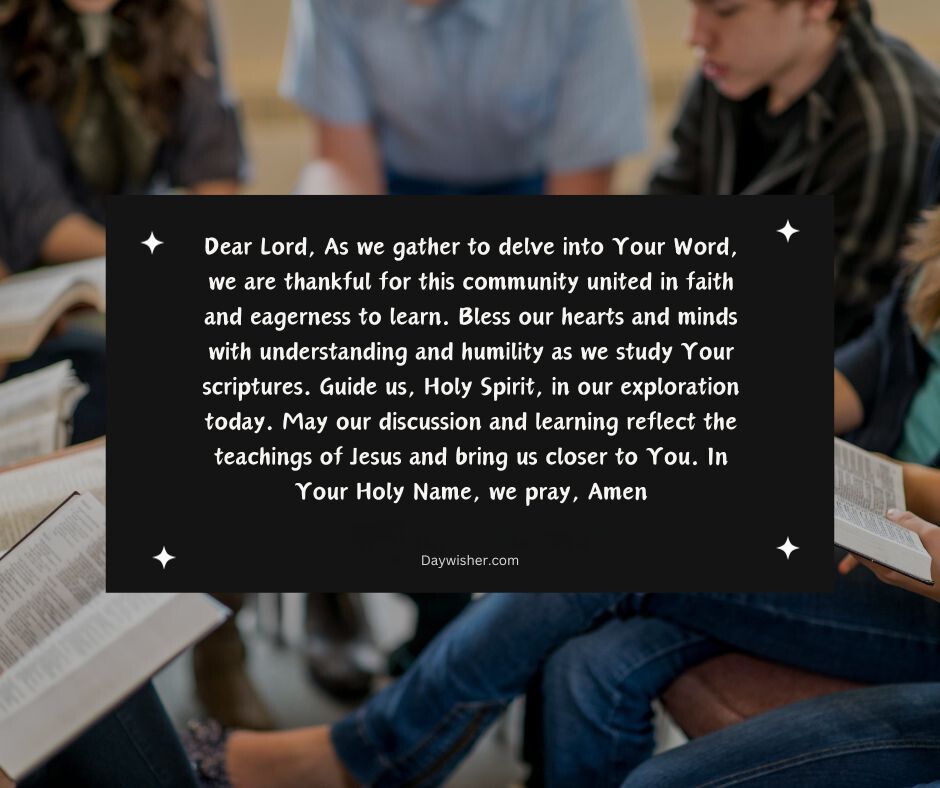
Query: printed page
x=30, y=437
x=52, y=388
x=50, y=575
x=89, y=631
x=29, y=492
x=865, y=480
x=69, y=652
x=90, y=665
x=878, y=526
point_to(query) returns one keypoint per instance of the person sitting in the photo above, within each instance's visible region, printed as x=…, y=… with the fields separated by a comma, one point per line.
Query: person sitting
x=431, y=97
x=105, y=97
x=606, y=657
x=809, y=97
x=887, y=734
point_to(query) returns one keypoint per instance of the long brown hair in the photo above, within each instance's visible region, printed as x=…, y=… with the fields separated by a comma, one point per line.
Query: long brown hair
x=164, y=44
x=924, y=254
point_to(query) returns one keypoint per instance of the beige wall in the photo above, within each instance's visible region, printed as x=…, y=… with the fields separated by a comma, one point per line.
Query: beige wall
x=254, y=32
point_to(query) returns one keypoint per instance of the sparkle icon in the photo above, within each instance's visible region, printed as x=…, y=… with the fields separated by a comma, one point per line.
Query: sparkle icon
x=787, y=548
x=788, y=231
x=152, y=243
x=164, y=557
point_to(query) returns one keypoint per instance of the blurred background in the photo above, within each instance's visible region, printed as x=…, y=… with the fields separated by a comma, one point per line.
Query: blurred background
x=279, y=138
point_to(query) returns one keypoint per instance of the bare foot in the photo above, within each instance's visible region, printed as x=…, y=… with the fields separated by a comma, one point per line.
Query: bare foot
x=285, y=759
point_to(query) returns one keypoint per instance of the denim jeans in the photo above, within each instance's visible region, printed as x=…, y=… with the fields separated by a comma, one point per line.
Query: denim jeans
x=135, y=745
x=597, y=688
x=416, y=730
x=602, y=670
x=868, y=738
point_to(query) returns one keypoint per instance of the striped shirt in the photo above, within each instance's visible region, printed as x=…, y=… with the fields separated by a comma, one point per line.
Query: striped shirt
x=862, y=134
x=474, y=91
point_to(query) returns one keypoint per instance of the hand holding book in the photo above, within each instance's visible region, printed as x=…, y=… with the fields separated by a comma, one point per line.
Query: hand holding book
x=930, y=536
x=866, y=487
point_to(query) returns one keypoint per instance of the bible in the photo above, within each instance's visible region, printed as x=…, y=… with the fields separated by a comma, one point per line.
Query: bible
x=69, y=652
x=30, y=490
x=31, y=302
x=36, y=412
x=866, y=486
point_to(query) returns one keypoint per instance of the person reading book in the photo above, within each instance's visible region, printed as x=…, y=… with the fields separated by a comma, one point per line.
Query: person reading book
x=606, y=657
x=888, y=734
x=461, y=97
x=810, y=97
x=104, y=97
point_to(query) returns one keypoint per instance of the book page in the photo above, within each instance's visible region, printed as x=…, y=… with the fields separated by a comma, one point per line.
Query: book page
x=69, y=652
x=25, y=297
x=28, y=493
x=877, y=525
x=865, y=480
x=31, y=437
x=99, y=658
x=52, y=388
x=51, y=574
x=89, y=631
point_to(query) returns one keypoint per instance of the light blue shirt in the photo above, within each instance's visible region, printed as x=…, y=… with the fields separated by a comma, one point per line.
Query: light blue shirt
x=473, y=91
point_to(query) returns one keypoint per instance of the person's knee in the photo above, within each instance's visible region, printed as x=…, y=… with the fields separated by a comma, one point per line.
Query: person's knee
x=564, y=677
x=583, y=682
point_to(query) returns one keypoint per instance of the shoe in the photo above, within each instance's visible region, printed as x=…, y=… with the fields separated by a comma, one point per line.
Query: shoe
x=223, y=686
x=341, y=657
x=204, y=743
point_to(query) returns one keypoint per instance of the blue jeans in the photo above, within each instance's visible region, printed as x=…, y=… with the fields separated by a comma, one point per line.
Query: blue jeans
x=135, y=745
x=605, y=658
x=597, y=688
x=867, y=738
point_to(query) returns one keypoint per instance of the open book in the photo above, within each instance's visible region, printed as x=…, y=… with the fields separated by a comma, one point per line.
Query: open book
x=70, y=652
x=30, y=490
x=867, y=486
x=32, y=301
x=36, y=412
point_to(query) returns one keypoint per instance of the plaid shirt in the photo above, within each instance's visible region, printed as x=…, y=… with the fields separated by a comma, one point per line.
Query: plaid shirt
x=863, y=136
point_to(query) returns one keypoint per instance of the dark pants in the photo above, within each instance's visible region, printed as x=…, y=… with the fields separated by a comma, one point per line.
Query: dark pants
x=135, y=745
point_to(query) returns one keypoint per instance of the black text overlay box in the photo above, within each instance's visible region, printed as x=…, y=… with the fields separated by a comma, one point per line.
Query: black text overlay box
x=508, y=394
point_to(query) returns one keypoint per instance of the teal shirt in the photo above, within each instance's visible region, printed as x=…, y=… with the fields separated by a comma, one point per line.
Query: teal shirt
x=920, y=441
